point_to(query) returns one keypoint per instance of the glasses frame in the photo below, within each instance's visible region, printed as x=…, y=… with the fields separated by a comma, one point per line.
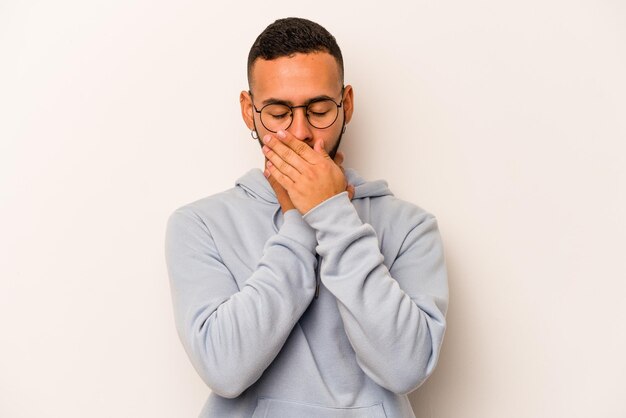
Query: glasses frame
x=305, y=106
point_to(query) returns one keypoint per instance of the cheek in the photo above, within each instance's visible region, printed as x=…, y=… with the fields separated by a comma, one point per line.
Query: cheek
x=260, y=128
x=329, y=136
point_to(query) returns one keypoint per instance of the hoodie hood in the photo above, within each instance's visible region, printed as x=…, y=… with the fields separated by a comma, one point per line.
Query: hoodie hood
x=256, y=185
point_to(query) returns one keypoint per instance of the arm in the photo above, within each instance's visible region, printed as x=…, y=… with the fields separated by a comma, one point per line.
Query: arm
x=232, y=335
x=394, y=319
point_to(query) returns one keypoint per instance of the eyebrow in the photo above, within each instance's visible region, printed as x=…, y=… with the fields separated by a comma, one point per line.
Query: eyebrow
x=273, y=100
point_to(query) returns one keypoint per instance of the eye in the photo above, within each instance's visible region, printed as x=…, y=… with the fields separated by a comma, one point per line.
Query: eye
x=276, y=112
x=320, y=108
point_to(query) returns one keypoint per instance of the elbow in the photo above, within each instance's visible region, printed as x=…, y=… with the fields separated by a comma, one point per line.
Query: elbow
x=224, y=377
x=227, y=389
x=413, y=378
x=216, y=364
x=406, y=383
x=404, y=380
x=425, y=357
x=225, y=382
x=398, y=380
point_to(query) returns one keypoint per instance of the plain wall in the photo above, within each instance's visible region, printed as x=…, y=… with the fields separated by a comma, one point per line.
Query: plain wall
x=504, y=119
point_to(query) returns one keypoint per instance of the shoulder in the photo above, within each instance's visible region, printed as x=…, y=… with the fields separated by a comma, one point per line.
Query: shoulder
x=398, y=210
x=395, y=219
x=200, y=212
x=382, y=204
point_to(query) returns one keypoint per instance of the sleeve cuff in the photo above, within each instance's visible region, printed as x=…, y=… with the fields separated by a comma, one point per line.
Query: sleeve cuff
x=333, y=218
x=296, y=229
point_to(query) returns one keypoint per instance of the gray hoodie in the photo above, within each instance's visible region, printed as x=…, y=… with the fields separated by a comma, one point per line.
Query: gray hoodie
x=337, y=313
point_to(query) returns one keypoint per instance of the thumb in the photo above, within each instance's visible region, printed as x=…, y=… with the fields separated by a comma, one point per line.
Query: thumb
x=339, y=158
x=350, y=190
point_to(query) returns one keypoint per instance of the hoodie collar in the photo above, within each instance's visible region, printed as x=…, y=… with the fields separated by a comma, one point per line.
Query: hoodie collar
x=257, y=186
x=364, y=188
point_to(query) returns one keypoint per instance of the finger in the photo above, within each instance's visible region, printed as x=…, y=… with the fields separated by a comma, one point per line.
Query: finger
x=272, y=180
x=280, y=164
x=282, y=179
x=350, y=190
x=338, y=158
x=275, y=146
x=318, y=147
x=281, y=192
x=299, y=147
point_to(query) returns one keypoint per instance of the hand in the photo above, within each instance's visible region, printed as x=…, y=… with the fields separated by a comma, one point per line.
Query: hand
x=281, y=194
x=283, y=197
x=310, y=176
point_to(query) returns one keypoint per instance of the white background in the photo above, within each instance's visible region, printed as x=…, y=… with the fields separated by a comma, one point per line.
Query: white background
x=504, y=119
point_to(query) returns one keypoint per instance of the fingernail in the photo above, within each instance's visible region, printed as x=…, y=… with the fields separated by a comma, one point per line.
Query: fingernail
x=265, y=149
x=267, y=138
x=269, y=163
x=281, y=134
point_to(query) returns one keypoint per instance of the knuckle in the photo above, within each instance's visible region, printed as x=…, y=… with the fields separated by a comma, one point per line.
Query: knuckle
x=289, y=153
x=300, y=148
x=310, y=173
x=285, y=153
x=283, y=166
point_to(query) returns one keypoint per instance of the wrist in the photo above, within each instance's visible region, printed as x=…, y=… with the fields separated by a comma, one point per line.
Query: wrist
x=287, y=207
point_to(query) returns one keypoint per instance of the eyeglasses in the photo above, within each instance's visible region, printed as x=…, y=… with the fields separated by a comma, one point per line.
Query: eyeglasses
x=321, y=113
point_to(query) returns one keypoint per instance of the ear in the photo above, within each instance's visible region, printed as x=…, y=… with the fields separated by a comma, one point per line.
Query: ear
x=247, y=112
x=348, y=103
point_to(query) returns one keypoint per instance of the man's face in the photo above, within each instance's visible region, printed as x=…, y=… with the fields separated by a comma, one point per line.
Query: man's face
x=296, y=81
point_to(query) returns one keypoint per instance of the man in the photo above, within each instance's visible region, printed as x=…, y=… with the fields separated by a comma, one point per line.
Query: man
x=306, y=291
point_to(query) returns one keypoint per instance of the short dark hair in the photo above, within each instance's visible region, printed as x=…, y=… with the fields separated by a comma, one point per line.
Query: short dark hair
x=286, y=37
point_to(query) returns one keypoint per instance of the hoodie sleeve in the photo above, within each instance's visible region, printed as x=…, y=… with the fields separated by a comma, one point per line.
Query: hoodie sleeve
x=394, y=318
x=233, y=335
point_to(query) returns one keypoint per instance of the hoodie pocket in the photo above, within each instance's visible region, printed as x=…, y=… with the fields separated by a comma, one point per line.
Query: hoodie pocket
x=275, y=408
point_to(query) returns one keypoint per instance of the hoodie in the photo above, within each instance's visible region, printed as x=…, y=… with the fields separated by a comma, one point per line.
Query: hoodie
x=337, y=313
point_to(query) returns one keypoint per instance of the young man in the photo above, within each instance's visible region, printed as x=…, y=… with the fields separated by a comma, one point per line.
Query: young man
x=305, y=290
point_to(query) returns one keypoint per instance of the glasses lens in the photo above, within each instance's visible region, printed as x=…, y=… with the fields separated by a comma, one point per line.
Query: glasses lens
x=322, y=114
x=276, y=117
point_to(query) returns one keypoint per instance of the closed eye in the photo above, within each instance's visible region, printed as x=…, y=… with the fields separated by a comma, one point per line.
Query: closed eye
x=279, y=116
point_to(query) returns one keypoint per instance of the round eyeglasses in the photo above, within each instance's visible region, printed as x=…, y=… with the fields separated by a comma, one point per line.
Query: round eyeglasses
x=321, y=113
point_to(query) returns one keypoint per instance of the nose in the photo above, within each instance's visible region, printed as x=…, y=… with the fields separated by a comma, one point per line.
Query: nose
x=300, y=127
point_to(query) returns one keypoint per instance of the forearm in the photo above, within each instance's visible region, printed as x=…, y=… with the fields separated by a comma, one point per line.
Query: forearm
x=231, y=335
x=396, y=335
